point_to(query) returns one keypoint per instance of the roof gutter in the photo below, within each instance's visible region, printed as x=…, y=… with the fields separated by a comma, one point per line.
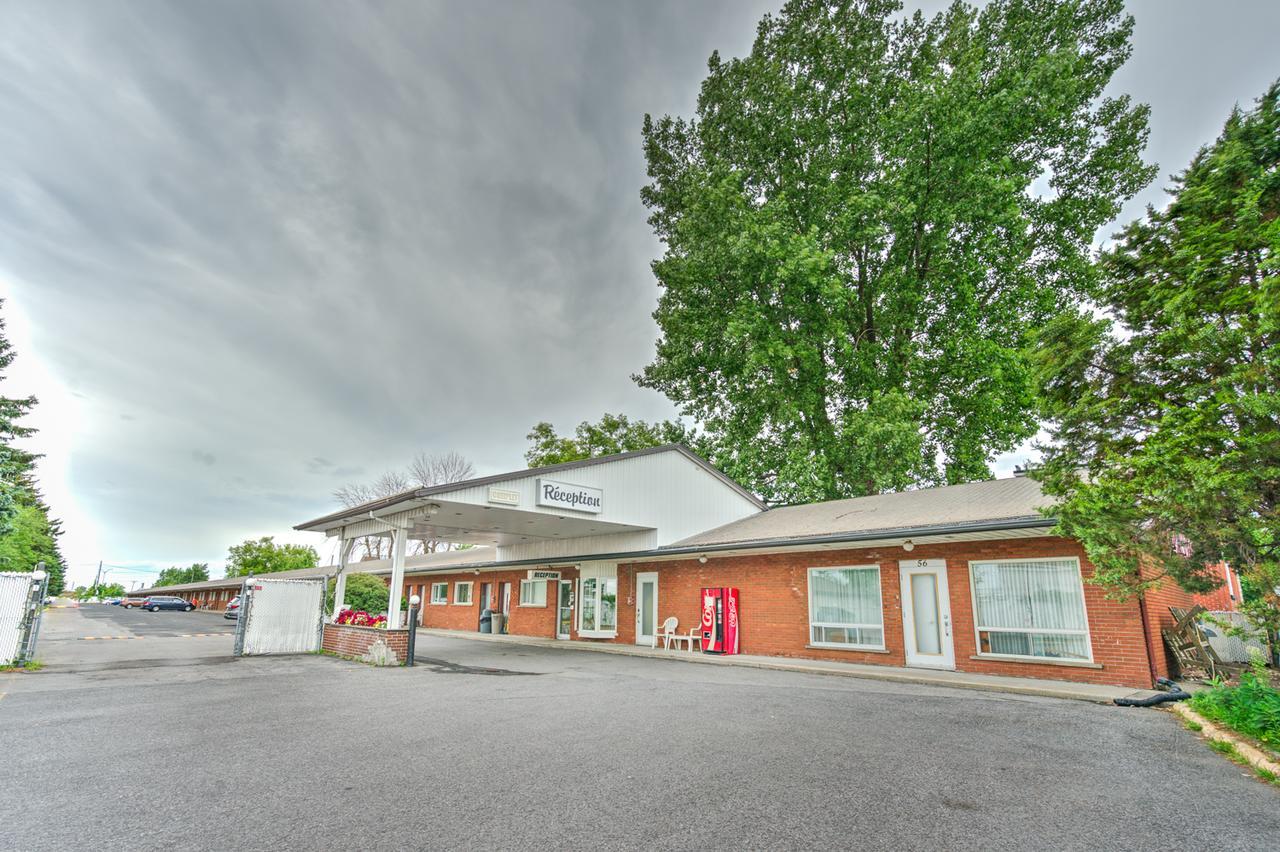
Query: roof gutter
x=762, y=544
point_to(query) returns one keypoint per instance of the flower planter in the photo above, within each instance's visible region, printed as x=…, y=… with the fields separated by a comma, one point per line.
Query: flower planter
x=349, y=640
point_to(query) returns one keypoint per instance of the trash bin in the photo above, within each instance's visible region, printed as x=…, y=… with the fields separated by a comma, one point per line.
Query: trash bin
x=499, y=622
x=486, y=620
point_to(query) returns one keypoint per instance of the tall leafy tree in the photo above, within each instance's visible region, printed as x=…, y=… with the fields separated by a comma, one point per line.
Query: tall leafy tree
x=195, y=573
x=264, y=556
x=1166, y=410
x=613, y=433
x=864, y=220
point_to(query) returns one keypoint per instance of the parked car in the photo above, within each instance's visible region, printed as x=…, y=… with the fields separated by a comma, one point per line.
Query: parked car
x=113, y=601
x=233, y=608
x=155, y=603
x=132, y=603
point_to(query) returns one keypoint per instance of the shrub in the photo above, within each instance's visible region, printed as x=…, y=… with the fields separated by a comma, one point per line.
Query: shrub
x=364, y=592
x=1252, y=708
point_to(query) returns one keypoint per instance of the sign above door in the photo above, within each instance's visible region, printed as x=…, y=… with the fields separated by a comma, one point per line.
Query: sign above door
x=563, y=495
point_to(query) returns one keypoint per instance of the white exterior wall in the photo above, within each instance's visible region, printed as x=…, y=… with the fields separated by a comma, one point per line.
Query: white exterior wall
x=562, y=548
x=667, y=491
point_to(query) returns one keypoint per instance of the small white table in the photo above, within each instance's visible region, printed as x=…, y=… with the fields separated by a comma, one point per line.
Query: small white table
x=667, y=638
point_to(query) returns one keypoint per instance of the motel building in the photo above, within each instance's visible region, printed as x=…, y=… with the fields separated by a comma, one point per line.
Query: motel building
x=607, y=550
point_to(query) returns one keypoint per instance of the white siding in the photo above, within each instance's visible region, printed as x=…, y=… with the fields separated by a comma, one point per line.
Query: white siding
x=667, y=492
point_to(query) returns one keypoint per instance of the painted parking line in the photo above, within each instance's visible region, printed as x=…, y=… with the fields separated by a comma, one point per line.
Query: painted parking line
x=178, y=636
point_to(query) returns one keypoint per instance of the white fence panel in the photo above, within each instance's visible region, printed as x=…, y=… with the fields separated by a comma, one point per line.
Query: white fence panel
x=15, y=594
x=283, y=616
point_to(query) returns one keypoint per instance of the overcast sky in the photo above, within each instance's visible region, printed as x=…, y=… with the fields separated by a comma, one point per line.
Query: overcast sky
x=254, y=250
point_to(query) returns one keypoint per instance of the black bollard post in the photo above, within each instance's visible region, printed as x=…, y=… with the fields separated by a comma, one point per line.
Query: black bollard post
x=413, y=633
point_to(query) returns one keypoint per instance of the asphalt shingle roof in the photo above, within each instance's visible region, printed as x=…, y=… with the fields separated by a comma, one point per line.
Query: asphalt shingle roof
x=998, y=500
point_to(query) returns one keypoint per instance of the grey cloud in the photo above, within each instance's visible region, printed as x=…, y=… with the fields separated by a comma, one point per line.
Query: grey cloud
x=205, y=458
x=312, y=239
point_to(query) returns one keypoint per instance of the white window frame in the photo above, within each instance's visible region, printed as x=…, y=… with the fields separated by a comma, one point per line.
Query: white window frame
x=457, y=587
x=444, y=596
x=845, y=646
x=977, y=628
x=530, y=583
x=596, y=573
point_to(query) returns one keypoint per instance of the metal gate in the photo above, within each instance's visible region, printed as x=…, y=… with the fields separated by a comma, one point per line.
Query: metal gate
x=21, y=603
x=280, y=616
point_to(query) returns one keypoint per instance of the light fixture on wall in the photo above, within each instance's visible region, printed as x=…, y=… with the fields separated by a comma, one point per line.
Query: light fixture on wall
x=703, y=559
x=908, y=545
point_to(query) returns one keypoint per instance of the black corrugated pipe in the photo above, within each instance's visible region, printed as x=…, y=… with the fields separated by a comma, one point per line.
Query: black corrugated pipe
x=1173, y=693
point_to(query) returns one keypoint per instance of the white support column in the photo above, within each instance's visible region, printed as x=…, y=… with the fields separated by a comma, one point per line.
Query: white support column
x=398, y=542
x=340, y=585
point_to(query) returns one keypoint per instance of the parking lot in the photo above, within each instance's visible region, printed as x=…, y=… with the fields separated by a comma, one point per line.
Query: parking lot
x=100, y=636
x=489, y=745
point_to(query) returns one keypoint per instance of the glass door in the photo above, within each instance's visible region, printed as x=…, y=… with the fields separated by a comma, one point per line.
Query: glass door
x=564, y=624
x=647, y=609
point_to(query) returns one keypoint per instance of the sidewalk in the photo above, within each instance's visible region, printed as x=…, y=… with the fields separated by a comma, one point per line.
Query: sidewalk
x=957, y=680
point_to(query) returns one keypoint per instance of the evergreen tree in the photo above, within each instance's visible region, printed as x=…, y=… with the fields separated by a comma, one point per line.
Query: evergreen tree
x=28, y=536
x=1165, y=408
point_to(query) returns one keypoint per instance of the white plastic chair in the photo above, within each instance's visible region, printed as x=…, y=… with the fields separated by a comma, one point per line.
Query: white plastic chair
x=668, y=634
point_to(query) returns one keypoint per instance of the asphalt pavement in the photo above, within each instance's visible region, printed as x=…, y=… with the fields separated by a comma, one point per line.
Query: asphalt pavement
x=101, y=636
x=500, y=747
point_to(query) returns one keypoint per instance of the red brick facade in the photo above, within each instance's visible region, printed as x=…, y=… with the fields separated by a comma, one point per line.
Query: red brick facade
x=775, y=617
x=350, y=641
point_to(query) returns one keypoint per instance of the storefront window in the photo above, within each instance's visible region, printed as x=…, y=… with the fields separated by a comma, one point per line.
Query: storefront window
x=599, y=605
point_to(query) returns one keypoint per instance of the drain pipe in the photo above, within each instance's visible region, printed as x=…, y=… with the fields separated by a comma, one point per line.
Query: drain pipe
x=1173, y=693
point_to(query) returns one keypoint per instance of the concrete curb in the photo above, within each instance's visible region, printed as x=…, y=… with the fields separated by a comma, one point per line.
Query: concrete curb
x=923, y=677
x=1211, y=730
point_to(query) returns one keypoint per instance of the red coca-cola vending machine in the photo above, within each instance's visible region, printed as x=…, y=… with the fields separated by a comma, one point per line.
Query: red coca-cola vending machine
x=720, y=620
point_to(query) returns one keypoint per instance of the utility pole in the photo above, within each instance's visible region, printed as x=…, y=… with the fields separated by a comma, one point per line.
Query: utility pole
x=98, y=576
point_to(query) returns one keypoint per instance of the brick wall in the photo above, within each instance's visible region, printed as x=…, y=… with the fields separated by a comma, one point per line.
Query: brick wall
x=1155, y=605
x=523, y=620
x=351, y=641
x=775, y=606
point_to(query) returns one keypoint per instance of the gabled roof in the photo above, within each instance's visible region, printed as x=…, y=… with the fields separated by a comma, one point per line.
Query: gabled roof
x=362, y=511
x=994, y=504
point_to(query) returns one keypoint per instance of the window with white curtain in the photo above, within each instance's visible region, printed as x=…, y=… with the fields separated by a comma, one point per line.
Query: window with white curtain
x=845, y=609
x=439, y=593
x=533, y=593
x=1030, y=608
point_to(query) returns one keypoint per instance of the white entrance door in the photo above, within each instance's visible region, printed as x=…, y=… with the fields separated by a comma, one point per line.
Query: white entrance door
x=926, y=613
x=646, y=609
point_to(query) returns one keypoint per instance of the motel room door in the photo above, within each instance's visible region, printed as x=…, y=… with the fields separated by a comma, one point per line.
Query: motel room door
x=564, y=607
x=646, y=609
x=926, y=613
x=485, y=601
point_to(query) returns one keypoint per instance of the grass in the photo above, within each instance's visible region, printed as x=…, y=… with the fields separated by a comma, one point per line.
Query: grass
x=1251, y=708
x=1193, y=726
x=28, y=666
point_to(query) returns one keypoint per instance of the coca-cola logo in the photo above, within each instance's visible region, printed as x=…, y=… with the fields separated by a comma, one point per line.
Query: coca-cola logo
x=708, y=611
x=733, y=612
